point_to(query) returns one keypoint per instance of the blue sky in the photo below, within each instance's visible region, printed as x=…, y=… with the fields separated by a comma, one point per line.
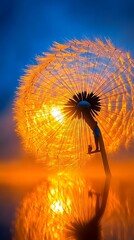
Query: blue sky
x=29, y=27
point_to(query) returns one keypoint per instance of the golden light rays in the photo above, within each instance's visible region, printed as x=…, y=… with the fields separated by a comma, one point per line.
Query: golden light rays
x=47, y=129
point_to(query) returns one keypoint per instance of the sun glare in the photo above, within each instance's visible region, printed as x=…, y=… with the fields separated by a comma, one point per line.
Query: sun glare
x=55, y=112
x=57, y=206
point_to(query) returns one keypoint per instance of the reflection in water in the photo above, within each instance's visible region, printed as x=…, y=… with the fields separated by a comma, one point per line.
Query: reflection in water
x=119, y=218
x=61, y=208
x=83, y=229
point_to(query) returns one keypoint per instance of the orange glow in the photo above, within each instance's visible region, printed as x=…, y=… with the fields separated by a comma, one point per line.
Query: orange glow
x=51, y=134
x=50, y=207
x=53, y=205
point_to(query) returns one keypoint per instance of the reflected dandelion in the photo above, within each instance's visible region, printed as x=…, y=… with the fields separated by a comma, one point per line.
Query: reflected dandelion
x=56, y=210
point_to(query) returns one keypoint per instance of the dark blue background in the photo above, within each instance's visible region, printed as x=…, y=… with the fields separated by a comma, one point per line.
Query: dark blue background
x=29, y=27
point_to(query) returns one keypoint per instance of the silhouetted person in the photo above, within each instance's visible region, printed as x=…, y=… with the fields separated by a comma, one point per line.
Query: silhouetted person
x=96, y=133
